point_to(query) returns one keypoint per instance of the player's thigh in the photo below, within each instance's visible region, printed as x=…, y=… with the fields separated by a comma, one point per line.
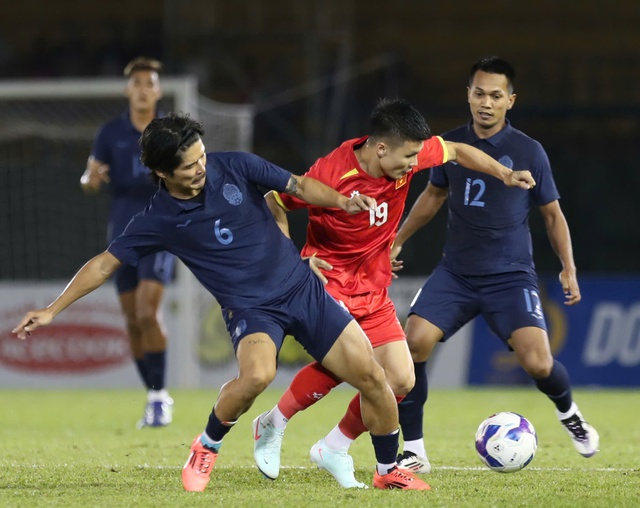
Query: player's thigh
x=351, y=358
x=443, y=305
x=149, y=295
x=422, y=336
x=376, y=315
x=396, y=361
x=531, y=346
x=256, y=355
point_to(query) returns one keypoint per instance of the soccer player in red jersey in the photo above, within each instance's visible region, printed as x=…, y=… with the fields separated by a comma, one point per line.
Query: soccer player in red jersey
x=355, y=253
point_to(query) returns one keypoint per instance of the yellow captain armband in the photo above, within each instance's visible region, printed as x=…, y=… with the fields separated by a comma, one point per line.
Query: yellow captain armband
x=445, y=152
x=278, y=199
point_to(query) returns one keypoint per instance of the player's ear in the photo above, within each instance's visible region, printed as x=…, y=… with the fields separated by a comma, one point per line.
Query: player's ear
x=381, y=149
x=512, y=101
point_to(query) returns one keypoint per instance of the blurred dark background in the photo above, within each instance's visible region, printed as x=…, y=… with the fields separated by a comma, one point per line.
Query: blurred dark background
x=314, y=69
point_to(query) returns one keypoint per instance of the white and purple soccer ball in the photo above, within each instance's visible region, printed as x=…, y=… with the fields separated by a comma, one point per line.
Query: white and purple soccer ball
x=506, y=442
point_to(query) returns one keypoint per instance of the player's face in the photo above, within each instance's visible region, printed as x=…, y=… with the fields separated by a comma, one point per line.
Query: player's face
x=489, y=101
x=397, y=160
x=143, y=90
x=188, y=179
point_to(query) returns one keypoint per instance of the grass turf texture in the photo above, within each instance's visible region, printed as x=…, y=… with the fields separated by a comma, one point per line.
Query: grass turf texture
x=81, y=448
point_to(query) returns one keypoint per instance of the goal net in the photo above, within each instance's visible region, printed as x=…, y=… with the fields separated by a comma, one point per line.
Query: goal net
x=49, y=227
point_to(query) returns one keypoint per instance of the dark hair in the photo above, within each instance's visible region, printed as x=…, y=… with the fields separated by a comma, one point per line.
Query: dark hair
x=165, y=139
x=142, y=63
x=398, y=121
x=495, y=65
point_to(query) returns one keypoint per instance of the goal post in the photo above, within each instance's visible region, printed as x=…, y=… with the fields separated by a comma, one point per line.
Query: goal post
x=48, y=227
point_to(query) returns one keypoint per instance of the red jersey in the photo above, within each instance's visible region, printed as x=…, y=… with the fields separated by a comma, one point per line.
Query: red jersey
x=358, y=246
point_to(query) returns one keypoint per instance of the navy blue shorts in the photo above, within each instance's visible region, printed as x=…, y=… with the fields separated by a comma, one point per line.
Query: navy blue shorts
x=159, y=267
x=507, y=301
x=306, y=311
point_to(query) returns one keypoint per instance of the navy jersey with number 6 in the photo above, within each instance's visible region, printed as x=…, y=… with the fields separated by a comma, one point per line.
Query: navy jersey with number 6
x=487, y=228
x=226, y=235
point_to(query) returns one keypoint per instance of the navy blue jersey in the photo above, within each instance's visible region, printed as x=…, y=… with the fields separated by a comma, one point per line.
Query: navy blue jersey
x=487, y=228
x=228, y=237
x=116, y=144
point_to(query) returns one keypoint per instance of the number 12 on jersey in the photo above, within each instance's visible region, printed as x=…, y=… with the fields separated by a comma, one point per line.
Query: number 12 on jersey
x=477, y=193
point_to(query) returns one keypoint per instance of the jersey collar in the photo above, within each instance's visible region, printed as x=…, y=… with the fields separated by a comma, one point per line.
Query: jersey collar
x=494, y=140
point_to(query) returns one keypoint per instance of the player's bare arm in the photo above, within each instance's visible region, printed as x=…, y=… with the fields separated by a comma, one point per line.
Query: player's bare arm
x=96, y=173
x=423, y=210
x=317, y=193
x=560, y=238
x=91, y=276
x=476, y=160
x=279, y=214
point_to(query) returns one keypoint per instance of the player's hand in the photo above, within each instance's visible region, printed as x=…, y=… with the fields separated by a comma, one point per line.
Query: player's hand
x=396, y=264
x=93, y=178
x=359, y=203
x=570, y=287
x=316, y=264
x=31, y=321
x=522, y=179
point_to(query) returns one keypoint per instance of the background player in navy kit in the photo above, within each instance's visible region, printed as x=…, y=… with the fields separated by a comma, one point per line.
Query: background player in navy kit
x=209, y=210
x=115, y=161
x=487, y=267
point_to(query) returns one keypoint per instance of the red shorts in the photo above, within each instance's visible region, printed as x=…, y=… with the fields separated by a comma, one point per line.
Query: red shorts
x=376, y=315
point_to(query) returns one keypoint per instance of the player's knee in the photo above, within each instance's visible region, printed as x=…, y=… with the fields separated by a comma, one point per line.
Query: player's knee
x=401, y=381
x=256, y=381
x=146, y=316
x=372, y=379
x=540, y=368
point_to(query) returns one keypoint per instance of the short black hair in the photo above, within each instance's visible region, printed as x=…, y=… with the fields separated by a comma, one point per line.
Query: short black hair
x=494, y=65
x=165, y=139
x=397, y=121
x=142, y=63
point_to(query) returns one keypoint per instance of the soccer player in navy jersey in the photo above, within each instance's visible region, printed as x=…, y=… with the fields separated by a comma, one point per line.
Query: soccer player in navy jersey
x=115, y=161
x=487, y=266
x=357, y=247
x=210, y=212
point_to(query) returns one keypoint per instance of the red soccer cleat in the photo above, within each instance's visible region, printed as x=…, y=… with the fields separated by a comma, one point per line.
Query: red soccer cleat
x=197, y=470
x=398, y=479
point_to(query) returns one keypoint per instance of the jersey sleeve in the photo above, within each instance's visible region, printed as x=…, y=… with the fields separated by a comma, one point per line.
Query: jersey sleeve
x=136, y=241
x=433, y=153
x=545, y=190
x=255, y=169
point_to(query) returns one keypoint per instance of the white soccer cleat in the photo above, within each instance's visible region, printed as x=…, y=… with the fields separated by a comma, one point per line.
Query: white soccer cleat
x=585, y=438
x=267, y=442
x=409, y=461
x=337, y=462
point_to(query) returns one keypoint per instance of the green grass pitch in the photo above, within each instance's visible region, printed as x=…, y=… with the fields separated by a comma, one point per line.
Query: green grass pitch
x=81, y=448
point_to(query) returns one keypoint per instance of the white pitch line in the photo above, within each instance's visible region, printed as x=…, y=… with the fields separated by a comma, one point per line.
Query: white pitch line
x=436, y=469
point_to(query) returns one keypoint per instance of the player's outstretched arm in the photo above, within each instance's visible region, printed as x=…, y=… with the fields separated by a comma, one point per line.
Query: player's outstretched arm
x=472, y=158
x=317, y=193
x=91, y=276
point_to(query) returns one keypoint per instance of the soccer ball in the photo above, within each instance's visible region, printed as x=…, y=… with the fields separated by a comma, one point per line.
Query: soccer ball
x=506, y=442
